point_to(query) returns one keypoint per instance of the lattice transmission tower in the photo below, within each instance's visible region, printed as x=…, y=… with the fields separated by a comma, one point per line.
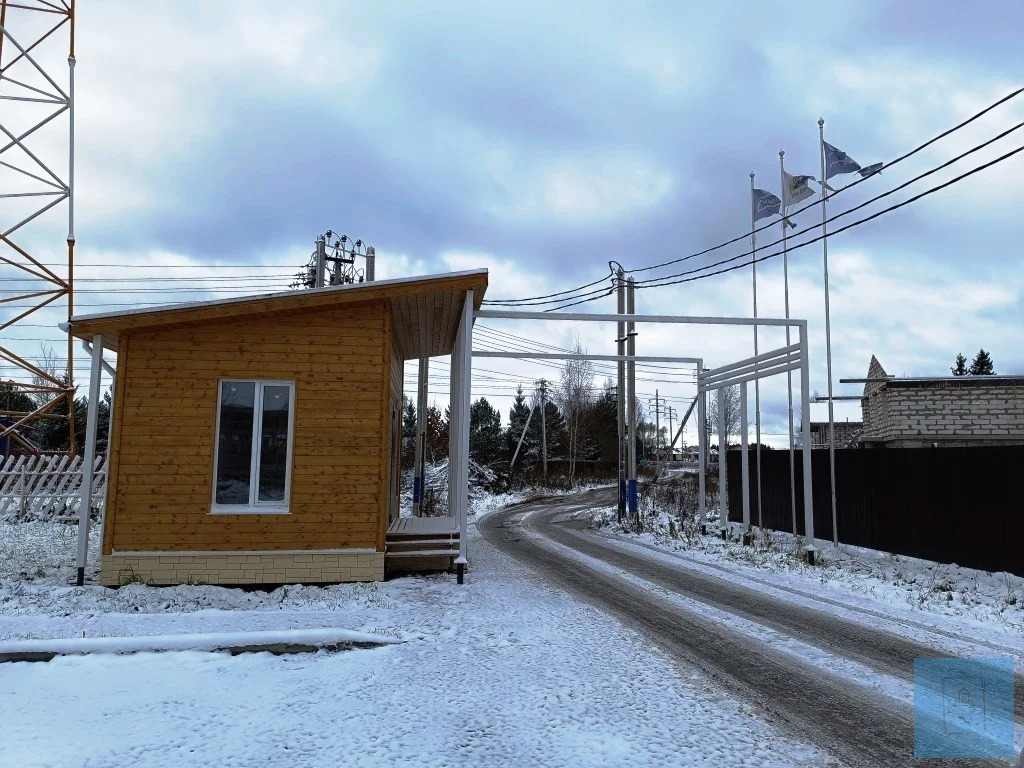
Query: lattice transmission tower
x=37, y=178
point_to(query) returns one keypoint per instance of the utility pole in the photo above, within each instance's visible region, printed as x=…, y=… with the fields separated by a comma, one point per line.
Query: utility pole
x=657, y=429
x=321, y=261
x=620, y=393
x=670, y=432
x=543, y=385
x=631, y=375
x=522, y=437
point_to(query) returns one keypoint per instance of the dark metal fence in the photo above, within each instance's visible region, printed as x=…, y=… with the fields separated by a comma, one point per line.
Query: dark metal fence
x=951, y=505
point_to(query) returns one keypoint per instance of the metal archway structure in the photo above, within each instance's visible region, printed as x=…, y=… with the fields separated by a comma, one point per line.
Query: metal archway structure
x=782, y=360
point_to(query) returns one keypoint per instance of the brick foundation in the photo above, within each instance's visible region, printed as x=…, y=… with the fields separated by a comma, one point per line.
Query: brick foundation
x=240, y=567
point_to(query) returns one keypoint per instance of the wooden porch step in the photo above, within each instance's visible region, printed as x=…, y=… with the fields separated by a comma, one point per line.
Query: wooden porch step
x=402, y=535
x=423, y=553
x=409, y=546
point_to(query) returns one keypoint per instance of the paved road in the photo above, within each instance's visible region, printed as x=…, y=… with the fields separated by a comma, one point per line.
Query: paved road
x=858, y=725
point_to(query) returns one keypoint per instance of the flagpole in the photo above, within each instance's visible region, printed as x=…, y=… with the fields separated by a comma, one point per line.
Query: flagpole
x=828, y=334
x=789, y=374
x=757, y=382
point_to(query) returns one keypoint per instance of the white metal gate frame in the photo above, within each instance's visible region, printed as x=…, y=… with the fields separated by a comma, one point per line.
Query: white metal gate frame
x=782, y=360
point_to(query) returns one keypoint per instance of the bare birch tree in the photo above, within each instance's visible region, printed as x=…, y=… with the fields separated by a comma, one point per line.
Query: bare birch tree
x=730, y=416
x=575, y=397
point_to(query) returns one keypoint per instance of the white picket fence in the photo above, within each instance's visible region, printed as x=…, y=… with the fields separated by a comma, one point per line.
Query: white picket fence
x=47, y=486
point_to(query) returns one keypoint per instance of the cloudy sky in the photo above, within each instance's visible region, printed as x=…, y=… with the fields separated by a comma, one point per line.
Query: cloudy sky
x=541, y=140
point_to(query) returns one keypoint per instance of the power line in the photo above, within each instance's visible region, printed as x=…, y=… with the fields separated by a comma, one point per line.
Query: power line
x=841, y=214
x=151, y=279
x=884, y=211
x=650, y=367
x=174, y=289
x=692, y=275
x=546, y=296
x=583, y=297
x=851, y=185
x=203, y=267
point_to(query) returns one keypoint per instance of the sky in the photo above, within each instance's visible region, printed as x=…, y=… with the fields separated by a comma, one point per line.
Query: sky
x=214, y=141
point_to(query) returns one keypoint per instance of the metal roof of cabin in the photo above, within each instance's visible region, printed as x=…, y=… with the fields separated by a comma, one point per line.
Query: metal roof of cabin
x=424, y=309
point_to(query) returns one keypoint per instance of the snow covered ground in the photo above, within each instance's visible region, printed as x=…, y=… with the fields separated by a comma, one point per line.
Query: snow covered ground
x=501, y=671
x=484, y=495
x=973, y=604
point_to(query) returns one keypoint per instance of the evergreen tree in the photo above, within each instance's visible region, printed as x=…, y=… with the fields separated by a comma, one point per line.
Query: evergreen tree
x=960, y=366
x=603, y=435
x=484, y=432
x=555, y=424
x=517, y=416
x=408, y=433
x=982, y=364
x=54, y=435
x=13, y=399
x=437, y=435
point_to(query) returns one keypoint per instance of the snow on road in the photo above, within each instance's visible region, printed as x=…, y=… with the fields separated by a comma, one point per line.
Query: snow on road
x=908, y=596
x=502, y=671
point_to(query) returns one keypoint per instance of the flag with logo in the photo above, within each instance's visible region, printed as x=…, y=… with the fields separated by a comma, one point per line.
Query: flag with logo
x=837, y=162
x=796, y=189
x=765, y=204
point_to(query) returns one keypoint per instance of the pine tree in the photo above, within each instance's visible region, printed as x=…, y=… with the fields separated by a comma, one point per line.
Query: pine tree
x=408, y=434
x=960, y=366
x=484, y=432
x=603, y=435
x=437, y=435
x=517, y=416
x=982, y=364
x=555, y=423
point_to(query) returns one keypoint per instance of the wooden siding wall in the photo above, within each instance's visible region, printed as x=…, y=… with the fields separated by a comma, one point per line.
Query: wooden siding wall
x=165, y=418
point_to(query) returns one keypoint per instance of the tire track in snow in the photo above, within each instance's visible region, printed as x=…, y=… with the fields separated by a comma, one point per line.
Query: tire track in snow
x=856, y=724
x=885, y=652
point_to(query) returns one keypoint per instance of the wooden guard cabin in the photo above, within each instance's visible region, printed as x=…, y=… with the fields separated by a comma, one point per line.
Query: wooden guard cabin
x=257, y=440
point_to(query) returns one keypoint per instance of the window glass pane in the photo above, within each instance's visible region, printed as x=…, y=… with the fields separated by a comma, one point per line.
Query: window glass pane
x=234, y=443
x=274, y=442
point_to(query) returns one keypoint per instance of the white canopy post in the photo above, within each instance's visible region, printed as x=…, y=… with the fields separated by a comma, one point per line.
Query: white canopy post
x=744, y=458
x=89, y=460
x=453, y=421
x=723, y=490
x=805, y=440
x=464, y=351
x=702, y=448
x=421, y=434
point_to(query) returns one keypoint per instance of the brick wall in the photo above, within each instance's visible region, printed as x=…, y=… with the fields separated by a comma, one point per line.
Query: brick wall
x=241, y=567
x=846, y=433
x=946, y=412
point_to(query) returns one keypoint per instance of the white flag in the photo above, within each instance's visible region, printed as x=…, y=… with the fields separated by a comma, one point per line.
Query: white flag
x=795, y=189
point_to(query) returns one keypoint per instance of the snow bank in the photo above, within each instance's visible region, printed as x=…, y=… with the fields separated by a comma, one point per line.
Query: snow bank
x=980, y=604
x=30, y=650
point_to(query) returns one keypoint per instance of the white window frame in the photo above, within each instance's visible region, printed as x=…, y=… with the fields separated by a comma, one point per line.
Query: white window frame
x=255, y=506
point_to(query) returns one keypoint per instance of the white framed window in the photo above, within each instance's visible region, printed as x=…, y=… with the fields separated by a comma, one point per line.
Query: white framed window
x=253, y=456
